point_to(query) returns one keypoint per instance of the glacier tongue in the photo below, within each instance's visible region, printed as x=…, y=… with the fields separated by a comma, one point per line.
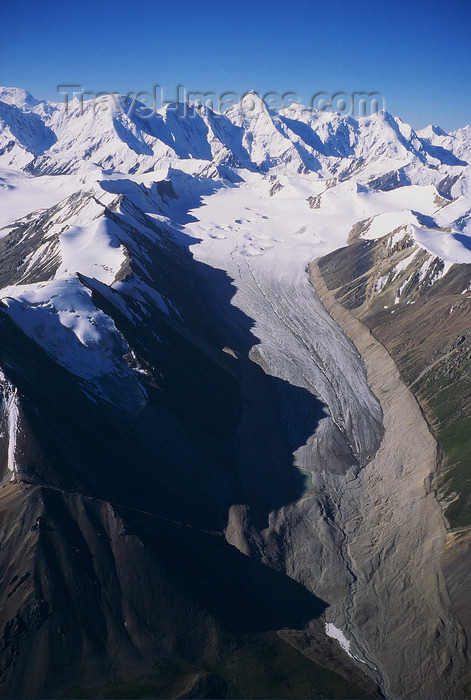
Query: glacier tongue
x=265, y=250
x=356, y=473
x=334, y=425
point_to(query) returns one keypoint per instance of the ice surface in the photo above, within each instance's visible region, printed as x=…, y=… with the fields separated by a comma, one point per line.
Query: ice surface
x=334, y=632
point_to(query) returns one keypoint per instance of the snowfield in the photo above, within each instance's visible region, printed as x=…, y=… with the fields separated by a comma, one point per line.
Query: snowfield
x=260, y=197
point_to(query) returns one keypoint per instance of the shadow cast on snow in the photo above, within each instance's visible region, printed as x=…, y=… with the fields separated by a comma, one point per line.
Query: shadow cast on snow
x=216, y=432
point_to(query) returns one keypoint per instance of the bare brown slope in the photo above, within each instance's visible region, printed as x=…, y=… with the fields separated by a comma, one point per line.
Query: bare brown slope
x=400, y=609
x=427, y=330
x=428, y=335
x=93, y=594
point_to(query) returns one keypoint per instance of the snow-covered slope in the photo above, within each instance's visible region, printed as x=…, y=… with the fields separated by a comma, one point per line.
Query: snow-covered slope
x=283, y=187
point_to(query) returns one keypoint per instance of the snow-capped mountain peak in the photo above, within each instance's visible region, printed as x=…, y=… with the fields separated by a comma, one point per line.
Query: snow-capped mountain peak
x=85, y=191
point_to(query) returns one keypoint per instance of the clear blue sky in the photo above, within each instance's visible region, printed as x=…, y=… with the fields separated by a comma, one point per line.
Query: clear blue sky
x=417, y=53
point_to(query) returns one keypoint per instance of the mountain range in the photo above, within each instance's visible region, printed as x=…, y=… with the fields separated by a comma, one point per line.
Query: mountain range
x=235, y=363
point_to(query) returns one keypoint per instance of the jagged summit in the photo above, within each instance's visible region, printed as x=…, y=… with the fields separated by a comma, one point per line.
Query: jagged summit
x=116, y=135
x=18, y=97
x=431, y=130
